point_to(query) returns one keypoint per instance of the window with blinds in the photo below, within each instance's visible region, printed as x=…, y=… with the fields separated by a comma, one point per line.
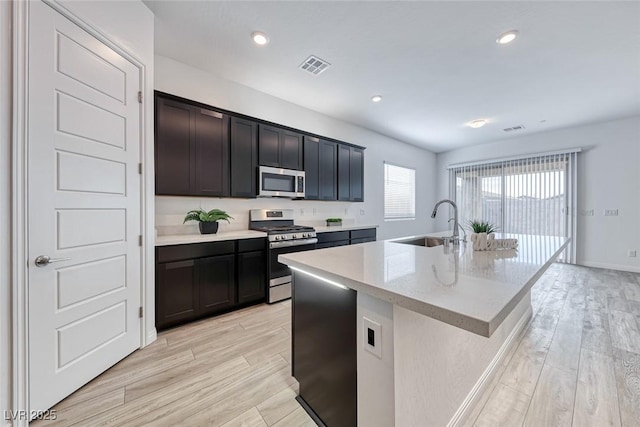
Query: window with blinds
x=533, y=195
x=399, y=192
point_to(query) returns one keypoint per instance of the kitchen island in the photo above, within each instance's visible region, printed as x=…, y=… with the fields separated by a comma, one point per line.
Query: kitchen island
x=390, y=333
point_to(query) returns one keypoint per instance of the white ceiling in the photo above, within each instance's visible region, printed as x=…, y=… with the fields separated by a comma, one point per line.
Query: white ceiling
x=436, y=64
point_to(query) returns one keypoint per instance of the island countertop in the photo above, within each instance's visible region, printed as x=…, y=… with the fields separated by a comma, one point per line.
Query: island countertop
x=473, y=290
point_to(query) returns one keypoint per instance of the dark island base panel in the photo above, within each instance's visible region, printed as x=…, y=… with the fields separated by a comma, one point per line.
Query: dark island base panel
x=310, y=412
x=324, y=350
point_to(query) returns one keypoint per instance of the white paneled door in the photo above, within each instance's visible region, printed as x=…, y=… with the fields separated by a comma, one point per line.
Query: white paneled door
x=84, y=207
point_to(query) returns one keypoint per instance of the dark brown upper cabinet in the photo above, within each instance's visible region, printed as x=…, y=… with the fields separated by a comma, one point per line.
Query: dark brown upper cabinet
x=192, y=150
x=174, y=132
x=244, y=157
x=212, y=153
x=279, y=148
x=350, y=173
x=320, y=162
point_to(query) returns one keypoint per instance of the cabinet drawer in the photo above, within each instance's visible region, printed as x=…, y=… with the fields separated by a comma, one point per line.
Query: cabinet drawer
x=333, y=236
x=195, y=250
x=362, y=240
x=361, y=234
x=248, y=245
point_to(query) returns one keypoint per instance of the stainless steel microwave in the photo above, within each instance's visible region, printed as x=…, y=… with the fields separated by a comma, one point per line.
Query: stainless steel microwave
x=276, y=182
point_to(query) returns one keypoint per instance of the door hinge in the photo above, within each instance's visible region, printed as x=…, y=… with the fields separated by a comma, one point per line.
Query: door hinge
x=140, y=240
x=140, y=168
x=140, y=312
x=140, y=97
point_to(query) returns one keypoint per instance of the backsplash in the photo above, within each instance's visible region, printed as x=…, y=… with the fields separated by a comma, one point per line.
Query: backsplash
x=171, y=210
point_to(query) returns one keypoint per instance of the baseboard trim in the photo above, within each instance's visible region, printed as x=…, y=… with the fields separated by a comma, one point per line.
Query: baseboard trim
x=474, y=395
x=617, y=267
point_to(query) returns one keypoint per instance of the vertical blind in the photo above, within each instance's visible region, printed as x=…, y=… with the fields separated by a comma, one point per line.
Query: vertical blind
x=399, y=192
x=533, y=195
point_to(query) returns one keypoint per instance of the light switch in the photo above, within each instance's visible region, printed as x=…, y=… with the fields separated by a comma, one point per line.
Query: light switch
x=372, y=337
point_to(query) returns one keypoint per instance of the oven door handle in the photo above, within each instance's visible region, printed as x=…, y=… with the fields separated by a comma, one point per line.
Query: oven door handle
x=289, y=243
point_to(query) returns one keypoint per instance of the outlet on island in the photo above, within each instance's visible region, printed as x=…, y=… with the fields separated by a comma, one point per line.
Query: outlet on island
x=372, y=337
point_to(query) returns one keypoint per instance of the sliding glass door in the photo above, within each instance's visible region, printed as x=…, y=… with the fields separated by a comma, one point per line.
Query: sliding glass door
x=533, y=195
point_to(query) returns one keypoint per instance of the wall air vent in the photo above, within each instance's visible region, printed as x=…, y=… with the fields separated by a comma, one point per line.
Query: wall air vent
x=314, y=65
x=514, y=128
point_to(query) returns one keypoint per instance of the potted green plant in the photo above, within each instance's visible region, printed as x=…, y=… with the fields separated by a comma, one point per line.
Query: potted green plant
x=334, y=222
x=208, y=221
x=480, y=234
x=477, y=226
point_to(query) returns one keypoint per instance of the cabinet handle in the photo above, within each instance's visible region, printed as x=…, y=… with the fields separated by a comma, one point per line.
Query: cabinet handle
x=211, y=113
x=180, y=264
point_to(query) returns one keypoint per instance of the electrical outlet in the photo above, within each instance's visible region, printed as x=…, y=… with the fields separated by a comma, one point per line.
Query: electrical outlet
x=315, y=211
x=372, y=337
x=301, y=212
x=586, y=212
x=611, y=212
x=361, y=212
x=631, y=253
x=346, y=211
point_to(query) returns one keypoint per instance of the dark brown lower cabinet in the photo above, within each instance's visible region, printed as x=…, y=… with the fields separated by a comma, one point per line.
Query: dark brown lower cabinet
x=198, y=280
x=176, y=292
x=251, y=276
x=341, y=238
x=216, y=281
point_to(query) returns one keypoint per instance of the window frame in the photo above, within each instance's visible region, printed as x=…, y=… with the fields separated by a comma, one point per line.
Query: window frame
x=384, y=192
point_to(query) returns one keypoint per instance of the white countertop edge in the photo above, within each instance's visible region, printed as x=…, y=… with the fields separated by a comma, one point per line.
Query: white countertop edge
x=182, y=239
x=325, y=229
x=472, y=324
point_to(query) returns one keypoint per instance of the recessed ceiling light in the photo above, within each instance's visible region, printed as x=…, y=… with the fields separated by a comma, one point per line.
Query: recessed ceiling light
x=477, y=123
x=376, y=98
x=507, y=37
x=259, y=38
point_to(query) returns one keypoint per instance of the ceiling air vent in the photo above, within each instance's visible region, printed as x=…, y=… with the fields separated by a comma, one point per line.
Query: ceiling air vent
x=514, y=128
x=314, y=65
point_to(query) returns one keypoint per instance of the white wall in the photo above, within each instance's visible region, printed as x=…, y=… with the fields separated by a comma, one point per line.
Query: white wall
x=608, y=178
x=130, y=25
x=5, y=203
x=182, y=80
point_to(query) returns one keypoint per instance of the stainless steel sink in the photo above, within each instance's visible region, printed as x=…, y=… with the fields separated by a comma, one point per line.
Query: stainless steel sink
x=428, y=242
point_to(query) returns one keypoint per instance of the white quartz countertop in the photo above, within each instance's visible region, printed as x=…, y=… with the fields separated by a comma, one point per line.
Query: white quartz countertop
x=473, y=290
x=325, y=229
x=182, y=239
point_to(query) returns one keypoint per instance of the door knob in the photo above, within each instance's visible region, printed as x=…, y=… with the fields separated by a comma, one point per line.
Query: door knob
x=44, y=260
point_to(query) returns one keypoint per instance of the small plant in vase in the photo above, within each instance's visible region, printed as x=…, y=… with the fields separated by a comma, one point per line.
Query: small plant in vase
x=480, y=231
x=334, y=222
x=482, y=227
x=208, y=221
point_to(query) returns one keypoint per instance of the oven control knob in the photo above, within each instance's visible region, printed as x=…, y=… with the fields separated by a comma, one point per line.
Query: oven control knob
x=277, y=237
x=294, y=236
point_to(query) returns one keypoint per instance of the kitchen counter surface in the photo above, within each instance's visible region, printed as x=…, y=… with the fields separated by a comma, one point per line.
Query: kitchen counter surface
x=182, y=239
x=324, y=229
x=473, y=290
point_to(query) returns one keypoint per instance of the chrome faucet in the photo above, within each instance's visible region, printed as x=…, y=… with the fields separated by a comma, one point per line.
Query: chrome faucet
x=456, y=235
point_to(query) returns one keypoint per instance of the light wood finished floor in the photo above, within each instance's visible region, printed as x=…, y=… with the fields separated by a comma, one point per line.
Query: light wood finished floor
x=576, y=364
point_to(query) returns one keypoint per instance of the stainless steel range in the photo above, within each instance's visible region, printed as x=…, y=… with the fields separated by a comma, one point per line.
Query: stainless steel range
x=284, y=237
